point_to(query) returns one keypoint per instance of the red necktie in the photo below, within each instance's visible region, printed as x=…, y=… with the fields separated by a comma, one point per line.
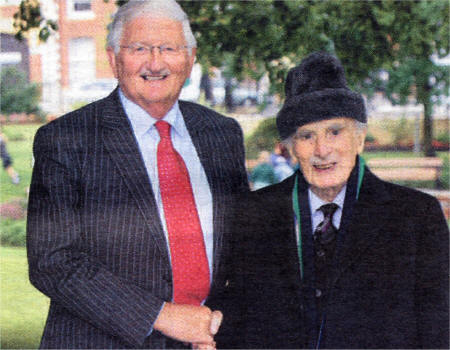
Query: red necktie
x=190, y=269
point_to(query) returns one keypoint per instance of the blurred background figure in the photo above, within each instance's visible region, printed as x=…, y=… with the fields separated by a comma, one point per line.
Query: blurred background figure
x=280, y=161
x=7, y=160
x=263, y=174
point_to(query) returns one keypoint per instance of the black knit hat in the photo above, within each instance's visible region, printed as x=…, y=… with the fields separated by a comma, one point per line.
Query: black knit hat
x=317, y=90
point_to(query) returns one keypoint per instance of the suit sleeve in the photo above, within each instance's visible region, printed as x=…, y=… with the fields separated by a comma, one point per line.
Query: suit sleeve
x=432, y=278
x=60, y=265
x=239, y=154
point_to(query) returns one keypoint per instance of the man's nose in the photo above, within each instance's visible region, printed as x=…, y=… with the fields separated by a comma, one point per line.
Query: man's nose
x=156, y=60
x=322, y=147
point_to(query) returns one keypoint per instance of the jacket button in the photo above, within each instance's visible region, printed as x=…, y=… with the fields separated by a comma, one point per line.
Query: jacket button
x=318, y=293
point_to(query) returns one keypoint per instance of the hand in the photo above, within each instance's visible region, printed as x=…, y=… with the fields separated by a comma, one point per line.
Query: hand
x=188, y=323
x=216, y=320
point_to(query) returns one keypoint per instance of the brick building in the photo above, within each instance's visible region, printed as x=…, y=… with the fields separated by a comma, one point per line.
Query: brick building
x=72, y=66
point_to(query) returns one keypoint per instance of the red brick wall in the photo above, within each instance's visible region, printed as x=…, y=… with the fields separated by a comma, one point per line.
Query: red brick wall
x=35, y=68
x=94, y=28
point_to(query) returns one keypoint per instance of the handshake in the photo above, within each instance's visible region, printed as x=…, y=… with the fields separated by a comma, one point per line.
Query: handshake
x=192, y=324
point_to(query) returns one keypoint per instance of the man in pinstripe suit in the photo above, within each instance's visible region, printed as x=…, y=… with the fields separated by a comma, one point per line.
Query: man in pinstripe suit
x=97, y=241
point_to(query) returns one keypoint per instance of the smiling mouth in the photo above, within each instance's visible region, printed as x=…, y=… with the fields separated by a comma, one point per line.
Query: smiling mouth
x=149, y=77
x=324, y=166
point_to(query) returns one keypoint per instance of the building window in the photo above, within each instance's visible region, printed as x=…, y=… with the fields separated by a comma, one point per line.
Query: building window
x=81, y=61
x=82, y=5
x=79, y=9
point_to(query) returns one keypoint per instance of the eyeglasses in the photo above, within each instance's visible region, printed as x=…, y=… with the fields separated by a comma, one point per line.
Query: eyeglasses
x=167, y=50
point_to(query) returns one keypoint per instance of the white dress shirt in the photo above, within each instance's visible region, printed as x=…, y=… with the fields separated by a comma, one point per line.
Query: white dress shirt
x=147, y=137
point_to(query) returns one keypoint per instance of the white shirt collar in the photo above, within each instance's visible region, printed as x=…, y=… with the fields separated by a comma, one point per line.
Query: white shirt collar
x=142, y=121
x=316, y=202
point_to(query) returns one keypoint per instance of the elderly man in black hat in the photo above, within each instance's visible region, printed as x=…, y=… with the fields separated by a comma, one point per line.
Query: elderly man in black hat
x=334, y=257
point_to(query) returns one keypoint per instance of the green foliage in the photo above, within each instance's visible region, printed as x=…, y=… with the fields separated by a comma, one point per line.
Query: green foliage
x=12, y=232
x=368, y=36
x=402, y=132
x=443, y=137
x=29, y=17
x=264, y=137
x=370, y=137
x=272, y=36
x=17, y=95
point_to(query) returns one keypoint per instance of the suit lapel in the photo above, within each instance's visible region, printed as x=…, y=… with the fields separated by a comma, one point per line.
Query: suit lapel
x=206, y=142
x=121, y=144
x=367, y=220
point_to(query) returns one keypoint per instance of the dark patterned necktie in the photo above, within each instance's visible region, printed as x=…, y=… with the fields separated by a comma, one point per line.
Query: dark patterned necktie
x=324, y=246
x=187, y=248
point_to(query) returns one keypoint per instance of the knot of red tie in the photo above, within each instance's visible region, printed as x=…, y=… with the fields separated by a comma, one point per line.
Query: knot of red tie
x=163, y=129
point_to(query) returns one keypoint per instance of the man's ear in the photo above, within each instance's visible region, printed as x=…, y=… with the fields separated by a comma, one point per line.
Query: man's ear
x=361, y=140
x=112, y=60
x=191, y=59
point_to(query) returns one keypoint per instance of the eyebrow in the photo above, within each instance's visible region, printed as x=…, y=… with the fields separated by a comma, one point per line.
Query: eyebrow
x=336, y=126
x=303, y=132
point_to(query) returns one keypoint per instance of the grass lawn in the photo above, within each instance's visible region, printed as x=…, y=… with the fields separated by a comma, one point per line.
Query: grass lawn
x=24, y=308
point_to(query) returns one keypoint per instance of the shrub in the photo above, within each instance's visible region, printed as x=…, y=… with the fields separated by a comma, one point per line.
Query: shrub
x=13, y=232
x=370, y=137
x=403, y=132
x=264, y=137
x=443, y=137
x=17, y=94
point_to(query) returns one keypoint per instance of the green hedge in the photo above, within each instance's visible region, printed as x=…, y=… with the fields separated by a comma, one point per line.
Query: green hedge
x=13, y=232
x=263, y=138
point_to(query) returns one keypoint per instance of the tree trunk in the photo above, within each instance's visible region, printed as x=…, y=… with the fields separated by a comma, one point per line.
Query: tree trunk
x=229, y=103
x=428, y=148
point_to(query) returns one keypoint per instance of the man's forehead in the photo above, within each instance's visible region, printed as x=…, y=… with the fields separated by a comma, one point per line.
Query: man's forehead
x=326, y=123
x=151, y=30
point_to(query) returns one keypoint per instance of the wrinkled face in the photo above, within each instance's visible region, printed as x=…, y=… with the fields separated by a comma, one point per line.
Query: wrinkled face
x=152, y=80
x=326, y=151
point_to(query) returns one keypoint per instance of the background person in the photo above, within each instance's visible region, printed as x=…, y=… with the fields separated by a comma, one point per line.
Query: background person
x=262, y=174
x=7, y=161
x=128, y=198
x=333, y=257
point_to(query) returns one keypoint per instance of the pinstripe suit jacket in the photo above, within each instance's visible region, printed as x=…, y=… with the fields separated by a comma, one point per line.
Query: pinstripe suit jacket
x=95, y=242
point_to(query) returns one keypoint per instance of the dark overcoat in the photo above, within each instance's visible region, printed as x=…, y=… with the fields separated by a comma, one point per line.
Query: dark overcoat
x=96, y=245
x=390, y=276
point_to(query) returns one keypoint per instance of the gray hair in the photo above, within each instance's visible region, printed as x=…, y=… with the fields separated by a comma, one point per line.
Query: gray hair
x=360, y=128
x=154, y=9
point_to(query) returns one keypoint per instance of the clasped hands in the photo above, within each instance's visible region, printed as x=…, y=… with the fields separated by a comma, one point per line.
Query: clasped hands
x=192, y=324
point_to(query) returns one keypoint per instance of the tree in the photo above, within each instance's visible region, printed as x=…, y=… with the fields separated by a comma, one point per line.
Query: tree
x=400, y=37
x=29, y=17
x=413, y=71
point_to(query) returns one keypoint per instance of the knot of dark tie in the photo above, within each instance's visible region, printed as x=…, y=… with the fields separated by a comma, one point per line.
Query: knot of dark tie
x=325, y=231
x=329, y=209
